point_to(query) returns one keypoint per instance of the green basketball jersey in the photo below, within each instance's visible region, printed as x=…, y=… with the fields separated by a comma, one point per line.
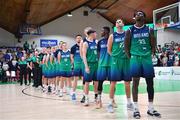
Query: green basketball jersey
x=140, y=41
x=118, y=50
x=91, y=54
x=65, y=62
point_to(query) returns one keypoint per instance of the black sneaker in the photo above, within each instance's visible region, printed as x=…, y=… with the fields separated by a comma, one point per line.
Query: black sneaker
x=83, y=99
x=154, y=113
x=49, y=89
x=136, y=115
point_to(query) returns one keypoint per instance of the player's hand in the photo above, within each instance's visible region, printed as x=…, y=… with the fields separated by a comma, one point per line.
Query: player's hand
x=87, y=69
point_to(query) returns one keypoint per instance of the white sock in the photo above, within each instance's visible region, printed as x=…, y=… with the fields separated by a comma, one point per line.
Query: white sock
x=136, y=106
x=128, y=100
x=86, y=96
x=150, y=106
x=73, y=92
x=61, y=90
x=99, y=97
x=111, y=101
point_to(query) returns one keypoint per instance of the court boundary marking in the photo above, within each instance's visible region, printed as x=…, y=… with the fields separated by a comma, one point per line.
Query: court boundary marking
x=64, y=100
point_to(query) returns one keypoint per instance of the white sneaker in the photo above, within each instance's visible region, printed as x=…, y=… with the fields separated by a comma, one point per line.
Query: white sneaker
x=57, y=92
x=110, y=108
x=60, y=94
x=86, y=103
x=130, y=106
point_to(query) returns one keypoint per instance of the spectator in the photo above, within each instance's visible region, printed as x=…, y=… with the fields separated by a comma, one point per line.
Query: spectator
x=159, y=49
x=26, y=46
x=7, y=56
x=170, y=59
x=164, y=60
x=154, y=60
x=33, y=46
x=176, y=61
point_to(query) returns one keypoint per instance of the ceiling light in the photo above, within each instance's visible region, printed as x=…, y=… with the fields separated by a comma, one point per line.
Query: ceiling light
x=69, y=14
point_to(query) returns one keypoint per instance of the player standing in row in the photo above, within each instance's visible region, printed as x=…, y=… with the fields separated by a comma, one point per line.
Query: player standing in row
x=103, y=72
x=90, y=59
x=53, y=69
x=65, y=69
x=120, y=69
x=81, y=54
x=58, y=74
x=47, y=68
x=139, y=45
x=77, y=64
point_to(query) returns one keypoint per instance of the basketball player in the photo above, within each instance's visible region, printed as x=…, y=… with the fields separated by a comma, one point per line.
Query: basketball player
x=47, y=68
x=77, y=63
x=58, y=72
x=119, y=64
x=44, y=70
x=65, y=69
x=90, y=59
x=53, y=69
x=139, y=45
x=103, y=72
x=80, y=48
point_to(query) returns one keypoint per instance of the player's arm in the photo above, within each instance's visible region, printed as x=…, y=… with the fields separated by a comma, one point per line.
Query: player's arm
x=46, y=61
x=30, y=65
x=51, y=58
x=98, y=48
x=127, y=43
x=59, y=57
x=84, y=52
x=80, y=49
x=152, y=42
x=109, y=44
x=72, y=56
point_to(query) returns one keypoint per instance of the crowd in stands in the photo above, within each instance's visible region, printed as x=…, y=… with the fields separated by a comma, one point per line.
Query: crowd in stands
x=9, y=58
x=167, y=55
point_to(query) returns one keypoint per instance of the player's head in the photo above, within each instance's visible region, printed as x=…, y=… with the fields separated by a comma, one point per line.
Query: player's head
x=64, y=45
x=119, y=23
x=48, y=49
x=53, y=49
x=78, y=38
x=23, y=58
x=86, y=30
x=92, y=34
x=105, y=31
x=43, y=50
x=36, y=53
x=139, y=15
x=60, y=44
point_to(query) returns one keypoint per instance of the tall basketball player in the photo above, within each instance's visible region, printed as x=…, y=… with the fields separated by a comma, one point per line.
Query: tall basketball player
x=140, y=45
x=120, y=69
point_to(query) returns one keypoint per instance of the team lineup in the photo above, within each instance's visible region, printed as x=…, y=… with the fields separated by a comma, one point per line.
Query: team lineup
x=120, y=56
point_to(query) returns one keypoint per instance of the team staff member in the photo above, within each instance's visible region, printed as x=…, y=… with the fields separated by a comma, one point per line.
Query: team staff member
x=140, y=45
x=77, y=64
x=22, y=65
x=120, y=69
x=36, y=69
x=90, y=59
x=29, y=69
